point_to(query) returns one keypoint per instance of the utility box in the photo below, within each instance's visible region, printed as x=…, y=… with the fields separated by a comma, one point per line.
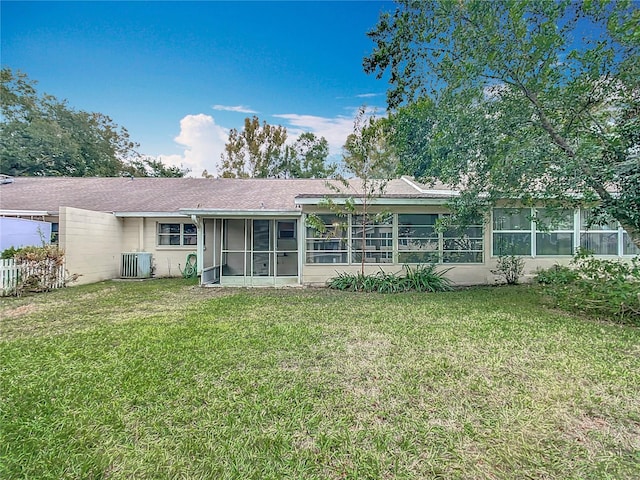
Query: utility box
x=135, y=265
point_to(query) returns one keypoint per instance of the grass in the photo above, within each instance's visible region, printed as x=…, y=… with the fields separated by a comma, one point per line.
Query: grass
x=163, y=379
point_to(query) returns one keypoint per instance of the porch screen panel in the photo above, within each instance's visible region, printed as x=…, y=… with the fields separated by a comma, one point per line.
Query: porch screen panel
x=234, y=257
x=286, y=248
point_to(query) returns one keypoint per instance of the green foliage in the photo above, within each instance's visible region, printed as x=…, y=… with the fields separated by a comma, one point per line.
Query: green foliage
x=368, y=157
x=39, y=268
x=9, y=253
x=510, y=267
x=557, y=275
x=41, y=135
x=151, y=167
x=607, y=289
x=425, y=278
x=260, y=151
x=307, y=158
x=534, y=101
x=421, y=278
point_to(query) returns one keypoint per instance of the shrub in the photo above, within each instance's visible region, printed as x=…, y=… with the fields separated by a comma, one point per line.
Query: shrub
x=607, y=289
x=425, y=278
x=422, y=278
x=557, y=275
x=40, y=269
x=9, y=253
x=510, y=268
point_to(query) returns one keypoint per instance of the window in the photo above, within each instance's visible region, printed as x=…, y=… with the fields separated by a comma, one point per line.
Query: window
x=554, y=232
x=377, y=237
x=177, y=234
x=598, y=239
x=511, y=231
x=418, y=241
x=629, y=247
x=463, y=244
x=55, y=228
x=329, y=243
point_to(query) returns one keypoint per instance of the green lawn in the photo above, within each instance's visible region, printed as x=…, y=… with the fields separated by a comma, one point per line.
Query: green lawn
x=163, y=379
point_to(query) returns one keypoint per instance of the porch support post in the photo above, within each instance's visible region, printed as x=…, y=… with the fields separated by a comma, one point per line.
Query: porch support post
x=199, y=223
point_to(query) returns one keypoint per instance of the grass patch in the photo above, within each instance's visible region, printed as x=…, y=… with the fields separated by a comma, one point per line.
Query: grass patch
x=163, y=379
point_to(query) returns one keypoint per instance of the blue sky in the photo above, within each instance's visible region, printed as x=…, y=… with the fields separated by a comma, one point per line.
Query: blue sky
x=179, y=75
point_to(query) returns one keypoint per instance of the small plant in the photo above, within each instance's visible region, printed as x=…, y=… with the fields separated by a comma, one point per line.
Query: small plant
x=422, y=278
x=425, y=278
x=557, y=275
x=510, y=267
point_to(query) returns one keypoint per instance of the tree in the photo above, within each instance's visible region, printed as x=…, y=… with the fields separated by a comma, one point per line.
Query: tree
x=151, y=167
x=534, y=101
x=42, y=135
x=256, y=151
x=368, y=158
x=307, y=158
x=261, y=151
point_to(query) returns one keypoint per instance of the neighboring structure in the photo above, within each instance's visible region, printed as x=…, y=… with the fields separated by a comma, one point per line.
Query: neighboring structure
x=21, y=232
x=253, y=231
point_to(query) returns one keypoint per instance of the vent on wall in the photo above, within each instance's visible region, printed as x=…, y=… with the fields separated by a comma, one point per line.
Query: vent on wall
x=135, y=265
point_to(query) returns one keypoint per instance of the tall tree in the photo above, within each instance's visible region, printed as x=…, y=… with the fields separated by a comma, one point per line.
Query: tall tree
x=369, y=165
x=41, y=135
x=536, y=101
x=260, y=150
x=256, y=151
x=307, y=158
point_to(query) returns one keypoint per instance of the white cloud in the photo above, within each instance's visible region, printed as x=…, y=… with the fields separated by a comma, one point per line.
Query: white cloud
x=234, y=108
x=335, y=129
x=203, y=141
x=368, y=95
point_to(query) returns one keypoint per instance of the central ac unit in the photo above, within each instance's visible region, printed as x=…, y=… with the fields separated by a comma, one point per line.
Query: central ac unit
x=135, y=265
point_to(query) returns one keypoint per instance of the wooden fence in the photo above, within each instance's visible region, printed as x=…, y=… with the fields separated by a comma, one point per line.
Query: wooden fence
x=30, y=275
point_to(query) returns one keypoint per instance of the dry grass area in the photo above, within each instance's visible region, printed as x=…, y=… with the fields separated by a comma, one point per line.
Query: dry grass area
x=163, y=379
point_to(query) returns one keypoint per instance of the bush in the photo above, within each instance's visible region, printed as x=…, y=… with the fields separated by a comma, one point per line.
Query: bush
x=9, y=253
x=607, y=289
x=510, y=267
x=557, y=275
x=40, y=269
x=422, y=278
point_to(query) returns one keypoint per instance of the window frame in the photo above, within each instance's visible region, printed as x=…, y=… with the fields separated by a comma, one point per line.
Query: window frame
x=182, y=233
x=577, y=231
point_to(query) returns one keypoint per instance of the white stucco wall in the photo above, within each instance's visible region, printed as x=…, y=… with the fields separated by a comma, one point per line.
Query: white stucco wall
x=92, y=244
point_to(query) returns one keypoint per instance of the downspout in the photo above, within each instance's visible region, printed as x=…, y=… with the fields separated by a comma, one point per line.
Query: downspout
x=199, y=223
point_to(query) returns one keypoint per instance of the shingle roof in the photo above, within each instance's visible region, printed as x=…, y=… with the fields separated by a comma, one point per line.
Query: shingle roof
x=174, y=194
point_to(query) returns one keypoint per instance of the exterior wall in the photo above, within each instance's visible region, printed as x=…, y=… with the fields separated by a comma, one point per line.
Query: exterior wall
x=141, y=235
x=460, y=274
x=92, y=244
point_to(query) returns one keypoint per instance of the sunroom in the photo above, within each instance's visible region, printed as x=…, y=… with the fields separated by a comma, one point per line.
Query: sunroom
x=248, y=248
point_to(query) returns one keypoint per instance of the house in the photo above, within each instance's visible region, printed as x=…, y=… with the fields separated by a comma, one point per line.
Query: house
x=249, y=232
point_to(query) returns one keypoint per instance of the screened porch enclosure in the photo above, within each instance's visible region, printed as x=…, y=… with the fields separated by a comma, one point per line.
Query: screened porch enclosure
x=258, y=251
